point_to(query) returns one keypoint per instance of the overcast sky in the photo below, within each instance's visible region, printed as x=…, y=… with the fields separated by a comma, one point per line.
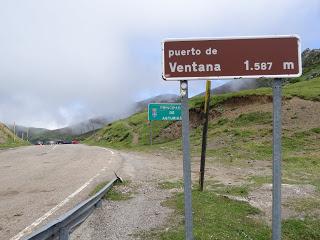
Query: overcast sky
x=63, y=61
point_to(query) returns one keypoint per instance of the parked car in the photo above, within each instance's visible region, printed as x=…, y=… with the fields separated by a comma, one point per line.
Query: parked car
x=59, y=142
x=49, y=142
x=75, y=141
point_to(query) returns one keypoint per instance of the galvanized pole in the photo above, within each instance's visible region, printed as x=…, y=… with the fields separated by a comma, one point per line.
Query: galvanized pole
x=276, y=169
x=14, y=131
x=186, y=160
x=204, y=134
x=150, y=132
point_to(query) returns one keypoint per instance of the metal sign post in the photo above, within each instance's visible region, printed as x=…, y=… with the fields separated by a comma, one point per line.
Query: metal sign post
x=150, y=123
x=276, y=165
x=186, y=160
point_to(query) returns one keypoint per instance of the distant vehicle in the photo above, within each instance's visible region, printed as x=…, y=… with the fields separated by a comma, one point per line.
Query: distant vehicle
x=39, y=143
x=75, y=141
x=67, y=142
x=59, y=142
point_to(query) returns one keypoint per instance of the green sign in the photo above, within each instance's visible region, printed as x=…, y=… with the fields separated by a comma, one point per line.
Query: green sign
x=164, y=111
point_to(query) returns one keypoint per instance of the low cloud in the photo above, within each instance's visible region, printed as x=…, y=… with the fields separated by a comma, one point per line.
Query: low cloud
x=65, y=61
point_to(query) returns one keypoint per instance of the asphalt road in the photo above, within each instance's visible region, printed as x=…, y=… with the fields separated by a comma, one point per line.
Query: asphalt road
x=39, y=183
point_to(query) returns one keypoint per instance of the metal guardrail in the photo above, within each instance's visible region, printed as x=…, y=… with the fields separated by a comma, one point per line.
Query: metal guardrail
x=64, y=225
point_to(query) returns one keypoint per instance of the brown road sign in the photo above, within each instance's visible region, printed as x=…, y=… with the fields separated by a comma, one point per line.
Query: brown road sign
x=238, y=57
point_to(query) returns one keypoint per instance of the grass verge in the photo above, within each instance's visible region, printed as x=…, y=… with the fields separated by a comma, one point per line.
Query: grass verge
x=13, y=144
x=215, y=217
x=218, y=217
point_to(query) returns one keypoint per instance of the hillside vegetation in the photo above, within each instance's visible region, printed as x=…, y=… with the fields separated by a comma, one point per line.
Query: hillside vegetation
x=7, y=138
x=134, y=131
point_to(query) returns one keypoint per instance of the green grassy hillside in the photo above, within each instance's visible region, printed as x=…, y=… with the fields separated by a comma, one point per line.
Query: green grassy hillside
x=7, y=138
x=134, y=131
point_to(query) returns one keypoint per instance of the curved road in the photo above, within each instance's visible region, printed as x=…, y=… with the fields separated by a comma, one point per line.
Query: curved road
x=39, y=183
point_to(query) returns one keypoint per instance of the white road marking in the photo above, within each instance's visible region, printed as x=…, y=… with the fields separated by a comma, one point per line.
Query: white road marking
x=54, y=147
x=112, y=152
x=50, y=150
x=29, y=229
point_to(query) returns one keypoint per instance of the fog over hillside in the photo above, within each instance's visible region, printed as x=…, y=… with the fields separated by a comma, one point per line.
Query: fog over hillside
x=63, y=62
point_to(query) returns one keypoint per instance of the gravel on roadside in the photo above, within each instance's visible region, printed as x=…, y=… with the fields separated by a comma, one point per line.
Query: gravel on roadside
x=125, y=219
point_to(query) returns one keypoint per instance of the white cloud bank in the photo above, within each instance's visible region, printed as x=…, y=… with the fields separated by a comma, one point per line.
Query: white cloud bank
x=64, y=61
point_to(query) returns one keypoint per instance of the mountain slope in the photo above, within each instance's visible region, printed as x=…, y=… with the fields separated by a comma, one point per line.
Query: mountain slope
x=122, y=132
x=31, y=131
x=164, y=98
x=67, y=133
x=85, y=128
x=7, y=138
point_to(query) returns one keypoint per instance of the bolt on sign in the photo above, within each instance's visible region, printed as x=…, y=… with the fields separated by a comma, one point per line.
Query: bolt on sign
x=164, y=111
x=240, y=57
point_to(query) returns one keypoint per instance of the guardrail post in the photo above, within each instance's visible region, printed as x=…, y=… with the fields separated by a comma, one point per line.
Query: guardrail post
x=99, y=204
x=64, y=234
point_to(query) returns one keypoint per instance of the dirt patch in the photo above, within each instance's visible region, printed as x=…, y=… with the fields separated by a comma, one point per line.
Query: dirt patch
x=173, y=131
x=135, y=138
x=234, y=109
x=262, y=198
x=300, y=114
x=231, y=175
x=297, y=113
x=247, y=100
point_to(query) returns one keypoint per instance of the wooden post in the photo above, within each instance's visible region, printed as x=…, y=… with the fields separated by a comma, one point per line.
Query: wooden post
x=204, y=133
